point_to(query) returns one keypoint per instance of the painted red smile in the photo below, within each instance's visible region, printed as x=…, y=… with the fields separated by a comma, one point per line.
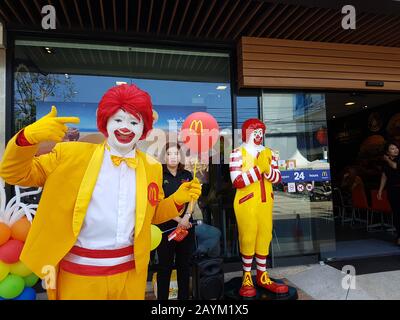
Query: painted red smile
x=258, y=140
x=123, y=137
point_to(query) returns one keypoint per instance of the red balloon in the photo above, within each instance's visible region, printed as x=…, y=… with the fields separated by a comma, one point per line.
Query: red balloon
x=200, y=132
x=10, y=251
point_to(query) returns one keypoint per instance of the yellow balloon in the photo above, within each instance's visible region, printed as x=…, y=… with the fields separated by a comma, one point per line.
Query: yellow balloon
x=156, y=236
x=20, y=269
x=4, y=270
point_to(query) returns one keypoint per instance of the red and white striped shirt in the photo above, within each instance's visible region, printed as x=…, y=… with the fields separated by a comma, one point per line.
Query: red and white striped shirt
x=241, y=179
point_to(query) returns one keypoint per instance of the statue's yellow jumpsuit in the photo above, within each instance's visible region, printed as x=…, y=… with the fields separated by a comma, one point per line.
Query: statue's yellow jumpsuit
x=253, y=169
x=253, y=202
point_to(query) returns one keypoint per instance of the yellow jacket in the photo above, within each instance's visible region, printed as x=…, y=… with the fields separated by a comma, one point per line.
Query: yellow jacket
x=68, y=175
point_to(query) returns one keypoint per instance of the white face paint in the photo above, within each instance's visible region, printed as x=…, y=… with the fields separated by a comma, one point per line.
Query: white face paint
x=124, y=131
x=256, y=137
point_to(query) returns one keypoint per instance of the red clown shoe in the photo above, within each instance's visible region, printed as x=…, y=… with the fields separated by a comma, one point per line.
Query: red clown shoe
x=265, y=282
x=247, y=290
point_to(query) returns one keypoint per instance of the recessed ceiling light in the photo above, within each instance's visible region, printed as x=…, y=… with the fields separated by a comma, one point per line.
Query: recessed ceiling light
x=333, y=117
x=350, y=103
x=221, y=87
x=118, y=83
x=365, y=107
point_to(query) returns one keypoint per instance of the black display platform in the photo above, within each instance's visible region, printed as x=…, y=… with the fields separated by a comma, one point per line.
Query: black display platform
x=231, y=291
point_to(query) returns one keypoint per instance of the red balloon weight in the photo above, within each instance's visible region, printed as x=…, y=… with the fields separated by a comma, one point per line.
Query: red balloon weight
x=200, y=132
x=10, y=251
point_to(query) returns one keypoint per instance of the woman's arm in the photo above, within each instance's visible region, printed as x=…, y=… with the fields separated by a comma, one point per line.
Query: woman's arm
x=170, y=208
x=390, y=162
x=185, y=223
x=382, y=185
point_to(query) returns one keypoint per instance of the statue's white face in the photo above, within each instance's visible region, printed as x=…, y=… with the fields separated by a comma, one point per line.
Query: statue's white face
x=124, y=131
x=256, y=137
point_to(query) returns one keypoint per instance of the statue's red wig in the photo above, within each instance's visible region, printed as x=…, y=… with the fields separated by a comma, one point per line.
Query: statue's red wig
x=250, y=125
x=128, y=98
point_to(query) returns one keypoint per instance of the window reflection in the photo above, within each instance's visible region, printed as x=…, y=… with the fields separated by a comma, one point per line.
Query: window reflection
x=74, y=76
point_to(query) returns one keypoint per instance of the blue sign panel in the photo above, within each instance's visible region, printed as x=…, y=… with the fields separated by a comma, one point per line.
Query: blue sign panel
x=305, y=175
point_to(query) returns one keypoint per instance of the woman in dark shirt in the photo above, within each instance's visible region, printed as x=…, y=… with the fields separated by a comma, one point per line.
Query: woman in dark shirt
x=391, y=179
x=174, y=175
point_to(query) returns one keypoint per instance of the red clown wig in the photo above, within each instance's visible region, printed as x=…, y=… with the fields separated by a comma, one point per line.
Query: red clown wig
x=249, y=126
x=128, y=98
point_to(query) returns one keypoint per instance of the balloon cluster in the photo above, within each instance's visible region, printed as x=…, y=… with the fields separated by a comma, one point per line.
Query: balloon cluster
x=16, y=280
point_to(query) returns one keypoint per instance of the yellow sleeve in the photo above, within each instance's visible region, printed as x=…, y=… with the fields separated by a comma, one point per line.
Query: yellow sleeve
x=269, y=153
x=20, y=166
x=166, y=209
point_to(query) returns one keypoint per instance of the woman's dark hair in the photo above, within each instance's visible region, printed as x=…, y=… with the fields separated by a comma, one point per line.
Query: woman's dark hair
x=168, y=146
x=388, y=144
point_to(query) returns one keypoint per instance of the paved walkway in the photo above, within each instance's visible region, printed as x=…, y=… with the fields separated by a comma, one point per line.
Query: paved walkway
x=323, y=282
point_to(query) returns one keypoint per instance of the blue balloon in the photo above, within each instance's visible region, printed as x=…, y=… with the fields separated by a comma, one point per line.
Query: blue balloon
x=27, y=294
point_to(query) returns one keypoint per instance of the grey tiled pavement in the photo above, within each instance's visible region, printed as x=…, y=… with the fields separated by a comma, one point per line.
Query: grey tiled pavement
x=323, y=282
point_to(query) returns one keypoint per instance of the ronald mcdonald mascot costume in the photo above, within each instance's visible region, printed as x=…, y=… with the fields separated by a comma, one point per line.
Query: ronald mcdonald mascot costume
x=93, y=223
x=253, y=170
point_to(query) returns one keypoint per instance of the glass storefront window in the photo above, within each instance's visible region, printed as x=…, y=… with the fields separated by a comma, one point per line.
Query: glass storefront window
x=247, y=107
x=297, y=133
x=74, y=76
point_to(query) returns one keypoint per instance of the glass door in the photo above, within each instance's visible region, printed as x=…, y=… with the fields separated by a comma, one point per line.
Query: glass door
x=297, y=134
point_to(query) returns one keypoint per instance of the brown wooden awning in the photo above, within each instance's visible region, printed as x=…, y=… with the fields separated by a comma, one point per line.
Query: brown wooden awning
x=283, y=64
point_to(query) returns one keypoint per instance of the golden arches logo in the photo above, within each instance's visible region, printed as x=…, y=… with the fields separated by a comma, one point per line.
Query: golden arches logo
x=153, y=194
x=324, y=173
x=196, y=124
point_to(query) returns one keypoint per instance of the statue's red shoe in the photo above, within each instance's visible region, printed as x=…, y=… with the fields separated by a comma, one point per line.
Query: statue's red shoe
x=247, y=290
x=265, y=282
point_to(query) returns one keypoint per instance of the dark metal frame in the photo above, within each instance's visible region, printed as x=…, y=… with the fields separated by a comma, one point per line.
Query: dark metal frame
x=9, y=97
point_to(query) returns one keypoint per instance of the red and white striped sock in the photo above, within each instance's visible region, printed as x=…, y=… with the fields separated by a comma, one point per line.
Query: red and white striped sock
x=261, y=263
x=247, y=262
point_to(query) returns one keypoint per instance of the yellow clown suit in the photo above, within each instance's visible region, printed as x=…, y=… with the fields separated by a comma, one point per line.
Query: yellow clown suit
x=253, y=170
x=90, y=238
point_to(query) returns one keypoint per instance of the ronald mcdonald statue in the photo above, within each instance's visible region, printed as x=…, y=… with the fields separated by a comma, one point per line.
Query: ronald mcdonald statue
x=93, y=223
x=253, y=170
